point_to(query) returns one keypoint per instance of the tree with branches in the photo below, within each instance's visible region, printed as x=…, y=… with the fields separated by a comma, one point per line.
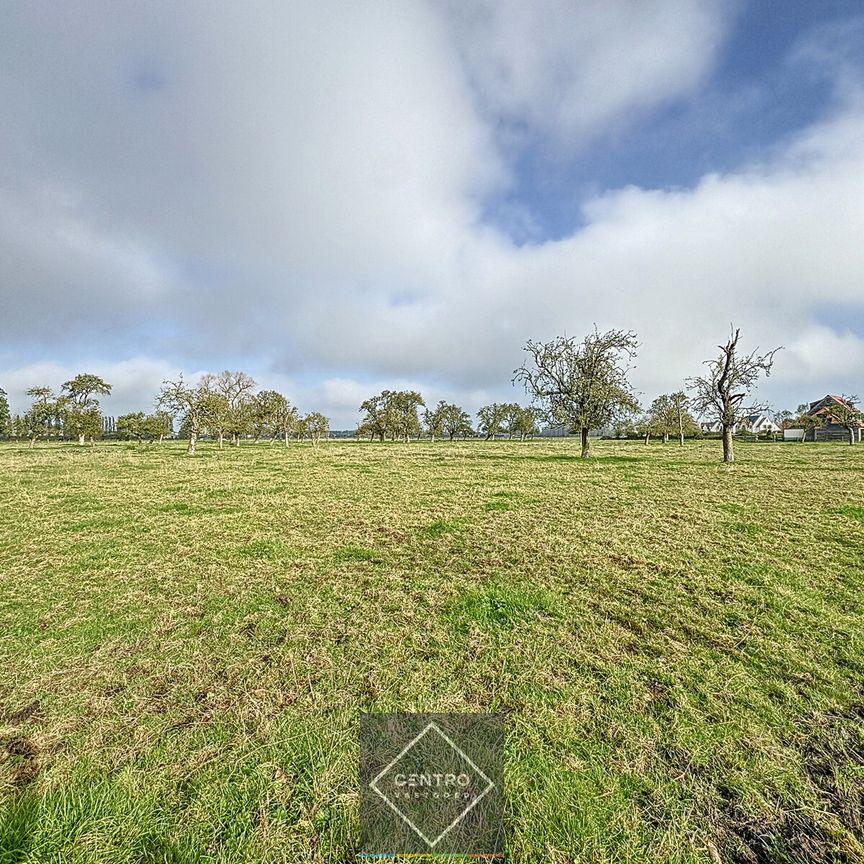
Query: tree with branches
x=392, y=414
x=82, y=417
x=491, y=419
x=581, y=385
x=807, y=421
x=315, y=426
x=376, y=421
x=44, y=415
x=521, y=421
x=684, y=420
x=446, y=419
x=5, y=417
x=730, y=379
x=457, y=423
x=848, y=415
x=662, y=417
x=192, y=405
x=236, y=388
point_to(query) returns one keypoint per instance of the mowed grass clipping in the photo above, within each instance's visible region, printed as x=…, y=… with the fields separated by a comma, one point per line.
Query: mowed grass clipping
x=186, y=644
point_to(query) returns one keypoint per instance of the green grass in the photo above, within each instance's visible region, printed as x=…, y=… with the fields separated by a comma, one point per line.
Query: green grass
x=186, y=644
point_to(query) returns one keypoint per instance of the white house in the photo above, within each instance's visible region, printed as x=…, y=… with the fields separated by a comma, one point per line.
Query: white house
x=710, y=426
x=757, y=424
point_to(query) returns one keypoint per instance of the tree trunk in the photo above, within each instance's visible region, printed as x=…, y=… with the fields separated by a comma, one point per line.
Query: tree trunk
x=221, y=437
x=728, y=454
x=665, y=437
x=647, y=437
x=851, y=435
x=81, y=440
x=32, y=443
x=586, y=446
x=286, y=437
x=193, y=440
x=680, y=429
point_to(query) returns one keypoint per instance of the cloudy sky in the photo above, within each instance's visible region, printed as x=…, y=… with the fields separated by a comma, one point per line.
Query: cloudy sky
x=341, y=197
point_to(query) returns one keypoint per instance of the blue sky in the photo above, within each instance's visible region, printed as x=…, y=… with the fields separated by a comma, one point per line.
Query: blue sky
x=758, y=95
x=340, y=198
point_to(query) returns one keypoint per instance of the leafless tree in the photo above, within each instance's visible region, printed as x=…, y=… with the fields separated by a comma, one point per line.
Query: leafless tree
x=730, y=380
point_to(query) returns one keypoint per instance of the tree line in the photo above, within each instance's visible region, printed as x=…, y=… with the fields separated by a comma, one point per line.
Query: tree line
x=225, y=406
x=578, y=385
x=395, y=415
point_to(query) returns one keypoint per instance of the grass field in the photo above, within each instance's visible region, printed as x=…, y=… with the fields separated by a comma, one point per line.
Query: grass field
x=186, y=644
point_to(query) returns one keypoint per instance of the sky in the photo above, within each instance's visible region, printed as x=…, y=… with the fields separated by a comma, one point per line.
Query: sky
x=344, y=197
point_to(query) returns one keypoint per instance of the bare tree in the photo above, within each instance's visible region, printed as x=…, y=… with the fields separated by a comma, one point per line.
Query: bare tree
x=582, y=385
x=730, y=380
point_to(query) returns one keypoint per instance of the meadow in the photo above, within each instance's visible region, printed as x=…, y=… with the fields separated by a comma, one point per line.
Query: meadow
x=186, y=644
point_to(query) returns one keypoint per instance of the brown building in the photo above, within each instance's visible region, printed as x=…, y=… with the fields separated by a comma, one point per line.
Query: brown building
x=831, y=428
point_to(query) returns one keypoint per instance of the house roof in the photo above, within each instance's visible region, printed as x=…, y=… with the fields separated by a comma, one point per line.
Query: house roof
x=822, y=407
x=825, y=402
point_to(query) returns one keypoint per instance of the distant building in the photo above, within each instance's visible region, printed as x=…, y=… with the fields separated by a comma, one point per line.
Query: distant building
x=830, y=429
x=554, y=432
x=757, y=424
x=753, y=424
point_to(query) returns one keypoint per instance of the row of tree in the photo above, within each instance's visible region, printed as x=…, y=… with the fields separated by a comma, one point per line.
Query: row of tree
x=224, y=406
x=73, y=413
x=395, y=415
x=227, y=406
x=576, y=385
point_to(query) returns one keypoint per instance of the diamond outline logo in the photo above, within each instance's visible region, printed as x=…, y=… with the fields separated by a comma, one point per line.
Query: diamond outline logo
x=432, y=843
